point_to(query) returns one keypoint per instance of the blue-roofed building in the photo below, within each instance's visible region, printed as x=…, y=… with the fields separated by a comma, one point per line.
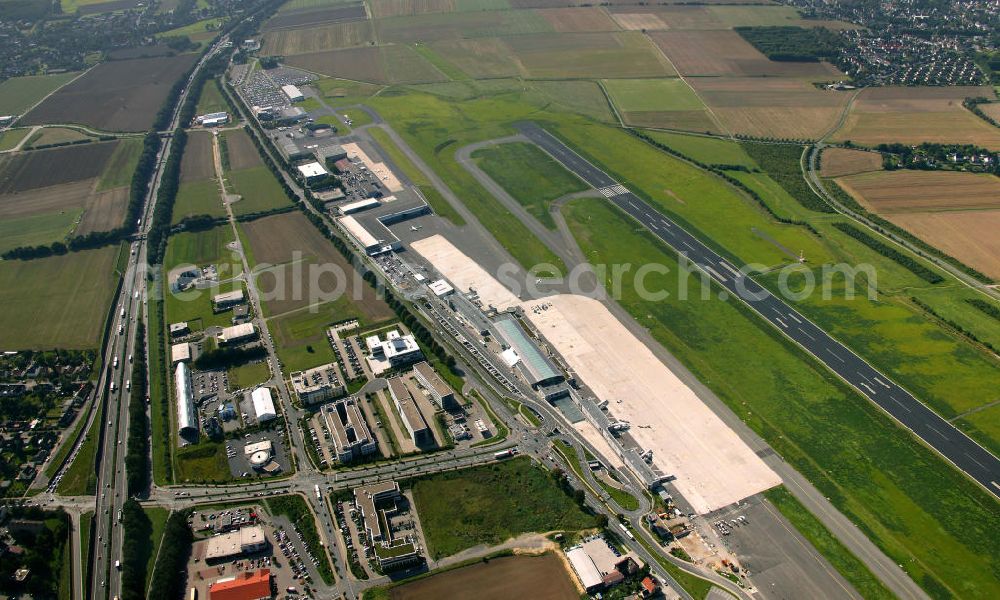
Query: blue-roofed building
x=538, y=369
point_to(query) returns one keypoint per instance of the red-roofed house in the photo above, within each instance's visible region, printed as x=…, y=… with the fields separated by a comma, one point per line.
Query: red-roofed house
x=649, y=587
x=243, y=586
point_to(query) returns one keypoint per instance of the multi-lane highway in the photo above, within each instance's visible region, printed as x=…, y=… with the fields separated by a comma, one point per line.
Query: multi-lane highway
x=115, y=383
x=955, y=446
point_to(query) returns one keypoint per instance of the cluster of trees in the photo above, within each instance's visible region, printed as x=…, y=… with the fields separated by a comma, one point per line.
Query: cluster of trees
x=883, y=226
x=220, y=358
x=137, y=457
x=962, y=330
x=985, y=307
x=199, y=222
x=138, y=531
x=42, y=553
x=720, y=170
x=782, y=163
x=929, y=156
x=156, y=240
x=905, y=260
x=793, y=44
x=168, y=582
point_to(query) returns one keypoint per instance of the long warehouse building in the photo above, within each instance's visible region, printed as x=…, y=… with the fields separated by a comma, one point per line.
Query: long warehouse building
x=187, y=421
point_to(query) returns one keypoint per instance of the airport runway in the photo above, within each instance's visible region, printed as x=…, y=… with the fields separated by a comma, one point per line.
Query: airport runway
x=971, y=458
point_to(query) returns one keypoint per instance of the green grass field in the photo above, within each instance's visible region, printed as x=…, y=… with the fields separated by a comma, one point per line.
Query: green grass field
x=709, y=150
x=489, y=512
x=56, y=135
x=158, y=518
x=56, y=302
x=121, y=165
x=18, y=94
x=530, y=175
x=198, y=32
x=202, y=462
x=855, y=571
x=202, y=248
x=85, y=521
x=211, y=99
x=34, y=230
x=79, y=478
x=198, y=198
x=248, y=375
x=12, y=137
x=438, y=204
x=259, y=189
x=300, y=336
x=641, y=95
x=919, y=510
x=435, y=128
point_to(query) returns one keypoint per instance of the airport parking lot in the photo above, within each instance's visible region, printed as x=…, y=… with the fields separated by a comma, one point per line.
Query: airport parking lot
x=239, y=463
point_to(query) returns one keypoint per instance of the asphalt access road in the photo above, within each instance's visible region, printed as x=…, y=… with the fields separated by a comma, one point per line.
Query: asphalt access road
x=971, y=458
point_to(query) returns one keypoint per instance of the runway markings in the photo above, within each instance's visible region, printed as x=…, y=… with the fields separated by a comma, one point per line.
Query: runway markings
x=794, y=318
x=994, y=484
x=868, y=387
x=831, y=353
x=780, y=322
x=882, y=383
x=931, y=427
x=731, y=269
x=901, y=404
x=614, y=190
x=807, y=334
x=975, y=461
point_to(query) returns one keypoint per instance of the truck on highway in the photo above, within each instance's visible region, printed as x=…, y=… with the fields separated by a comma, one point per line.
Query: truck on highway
x=112, y=387
x=115, y=363
x=319, y=496
x=505, y=453
x=118, y=565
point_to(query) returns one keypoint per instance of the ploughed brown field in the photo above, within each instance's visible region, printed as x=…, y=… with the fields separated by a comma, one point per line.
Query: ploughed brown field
x=242, y=152
x=499, y=579
x=120, y=95
x=198, y=162
x=912, y=115
x=958, y=213
x=836, y=162
x=291, y=241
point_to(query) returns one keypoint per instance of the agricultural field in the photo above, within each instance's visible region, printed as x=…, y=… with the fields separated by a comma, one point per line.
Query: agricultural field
x=578, y=19
x=489, y=513
x=10, y=138
x=286, y=42
x=199, y=32
x=771, y=107
x=241, y=151
x=56, y=302
x=300, y=336
x=500, y=578
x=56, y=135
x=837, y=162
x=120, y=95
x=259, y=191
x=726, y=54
x=470, y=24
x=914, y=115
x=198, y=198
x=398, y=8
x=665, y=103
x=18, y=94
x=198, y=161
x=905, y=191
x=531, y=176
x=709, y=17
x=89, y=194
x=622, y=54
x=291, y=16
x=381, y=64
x=279, y=246
x=708, y=150
x=904, y=496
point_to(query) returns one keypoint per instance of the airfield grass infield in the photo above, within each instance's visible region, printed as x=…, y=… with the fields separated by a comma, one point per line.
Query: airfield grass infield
x=530, y=175
x=489, y=513
x=920, y=511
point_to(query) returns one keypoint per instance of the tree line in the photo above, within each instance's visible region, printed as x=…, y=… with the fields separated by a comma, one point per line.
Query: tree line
x=137, y=456
x=904, y=260
x=156, y=239
x=169, y=582
x=793, y=44
x=961, y=330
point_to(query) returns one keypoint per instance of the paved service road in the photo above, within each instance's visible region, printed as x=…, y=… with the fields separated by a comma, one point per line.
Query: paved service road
x=974, y=460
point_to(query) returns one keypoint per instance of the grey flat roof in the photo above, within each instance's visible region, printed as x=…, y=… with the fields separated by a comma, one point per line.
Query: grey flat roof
x=538, y=366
